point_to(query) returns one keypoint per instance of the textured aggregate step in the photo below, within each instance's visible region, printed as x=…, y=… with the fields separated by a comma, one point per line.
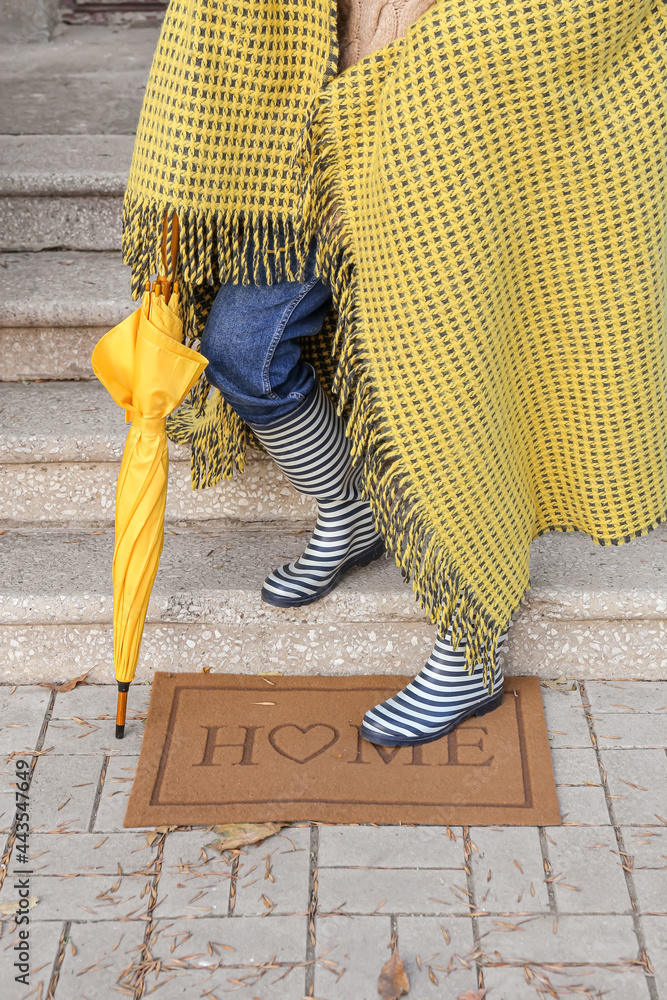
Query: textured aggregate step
x=83, y=495
x=86, y=81
x=62, y=191
x=62, y=422
x=592, y=612
x=54, y=307
x=60, y=450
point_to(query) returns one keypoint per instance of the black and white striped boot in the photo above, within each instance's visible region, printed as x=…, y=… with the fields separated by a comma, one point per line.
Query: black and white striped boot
x=442, y=695
x=311, y=448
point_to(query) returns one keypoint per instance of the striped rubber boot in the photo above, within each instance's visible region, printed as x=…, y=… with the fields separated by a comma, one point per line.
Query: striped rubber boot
x=441, y=696
x=311, y=448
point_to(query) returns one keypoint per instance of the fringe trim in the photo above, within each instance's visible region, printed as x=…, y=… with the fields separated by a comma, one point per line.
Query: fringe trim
x=213, y=246
x=398, y=509
x=217, y=437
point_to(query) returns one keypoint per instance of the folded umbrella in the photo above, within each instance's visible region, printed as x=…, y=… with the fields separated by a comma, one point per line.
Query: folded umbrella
x=148, y=372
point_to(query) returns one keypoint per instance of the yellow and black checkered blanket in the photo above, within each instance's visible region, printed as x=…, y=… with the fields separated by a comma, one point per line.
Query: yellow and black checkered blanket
x=489, y=195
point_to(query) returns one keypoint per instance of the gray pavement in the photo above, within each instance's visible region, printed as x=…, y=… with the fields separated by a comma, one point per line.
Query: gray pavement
x=523, y=912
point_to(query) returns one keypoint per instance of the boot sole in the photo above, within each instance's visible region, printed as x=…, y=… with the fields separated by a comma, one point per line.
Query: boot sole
x=406, y=741
x=365, y=559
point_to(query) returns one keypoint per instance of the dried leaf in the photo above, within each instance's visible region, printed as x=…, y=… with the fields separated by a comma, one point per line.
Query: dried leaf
x=10, y=908
x=393, y=982
x=205, y=670
x=237, y=834
x=473, y=995
x=68, y=685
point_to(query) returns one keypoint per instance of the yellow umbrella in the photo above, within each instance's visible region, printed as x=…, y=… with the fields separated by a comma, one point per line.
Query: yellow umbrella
x=148, y=371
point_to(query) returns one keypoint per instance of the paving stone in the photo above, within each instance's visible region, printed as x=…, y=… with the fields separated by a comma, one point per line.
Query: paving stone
x=651, y=886
x=249, y=942
x=88, y=854
x=585, y=940
x=63, y=791
x=85, y=898
x=566, y=721
x=575, y=767
x=68, y=737
x=655, y=932
x=501, y=886
x=647, y=845
x=115, y=793
x=95, y=957
x=190, y=849
x=43, y=948
x=21, y=713
x=583, y=805
x=195, y=880
x=360, y=946
x=290, y=868
x=404, y=890
x=585, y=859
x=7, y=810
x=588, y=982
x=433, y=943
x=390, y=847
x=90, y=701
x=627, y=697
x=644, y=768
x=638, y=730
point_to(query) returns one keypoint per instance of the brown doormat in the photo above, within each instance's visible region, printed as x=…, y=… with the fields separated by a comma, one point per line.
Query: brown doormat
x=224, y=748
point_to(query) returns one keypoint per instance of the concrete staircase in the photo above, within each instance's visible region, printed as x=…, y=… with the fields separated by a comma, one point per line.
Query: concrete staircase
x=65, y=146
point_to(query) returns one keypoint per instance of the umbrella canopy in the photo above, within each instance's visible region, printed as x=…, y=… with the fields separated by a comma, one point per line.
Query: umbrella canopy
x=148, y=371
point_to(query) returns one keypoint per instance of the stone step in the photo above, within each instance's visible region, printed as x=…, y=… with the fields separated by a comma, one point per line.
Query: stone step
x=62, y=192
x=68, y=113
x=54, y=307
x=592, y=611
x=60, y=450
x=86, y=81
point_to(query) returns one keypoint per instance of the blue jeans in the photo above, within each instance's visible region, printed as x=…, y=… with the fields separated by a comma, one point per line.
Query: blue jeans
x=250, y=340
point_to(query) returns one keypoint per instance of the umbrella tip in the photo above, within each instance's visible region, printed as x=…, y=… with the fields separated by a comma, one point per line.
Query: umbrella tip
x=123, y=688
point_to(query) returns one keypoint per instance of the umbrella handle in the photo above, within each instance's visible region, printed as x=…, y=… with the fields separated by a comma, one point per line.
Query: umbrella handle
x=167, y=283
x=121, y=708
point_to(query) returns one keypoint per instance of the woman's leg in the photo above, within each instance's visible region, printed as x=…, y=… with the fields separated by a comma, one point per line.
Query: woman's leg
x=255, y=361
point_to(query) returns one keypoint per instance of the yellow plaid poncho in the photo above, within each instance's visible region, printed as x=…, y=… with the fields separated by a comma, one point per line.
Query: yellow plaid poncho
x=490, y=199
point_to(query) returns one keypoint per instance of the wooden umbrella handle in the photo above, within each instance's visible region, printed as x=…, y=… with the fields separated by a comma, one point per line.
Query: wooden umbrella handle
x=167, y=281
x=121, y=708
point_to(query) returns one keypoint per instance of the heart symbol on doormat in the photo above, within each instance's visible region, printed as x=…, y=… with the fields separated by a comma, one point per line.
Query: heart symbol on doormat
x=303, y=730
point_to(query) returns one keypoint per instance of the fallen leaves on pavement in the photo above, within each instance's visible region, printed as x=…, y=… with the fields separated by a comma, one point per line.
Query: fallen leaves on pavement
x=12, y=907
x=473, y=995
x=393, y=982
x=562, y=684
x=238, y=834
x=155, y=834
x=67, y=685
